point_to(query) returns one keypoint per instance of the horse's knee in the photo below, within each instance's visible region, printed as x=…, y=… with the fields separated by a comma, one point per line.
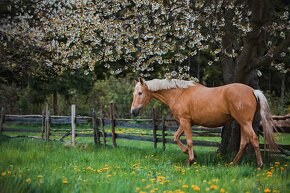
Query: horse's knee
x=175, y=139
x=189, y=143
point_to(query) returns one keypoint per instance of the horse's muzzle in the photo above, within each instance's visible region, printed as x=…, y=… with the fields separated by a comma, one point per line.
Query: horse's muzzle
x=135, y=112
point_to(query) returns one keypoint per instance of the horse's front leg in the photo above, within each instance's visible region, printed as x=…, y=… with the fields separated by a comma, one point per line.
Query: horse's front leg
x=177, y=135
x=186, y=125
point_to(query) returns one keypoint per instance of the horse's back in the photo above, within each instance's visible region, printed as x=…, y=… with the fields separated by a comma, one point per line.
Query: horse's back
x=213, y=106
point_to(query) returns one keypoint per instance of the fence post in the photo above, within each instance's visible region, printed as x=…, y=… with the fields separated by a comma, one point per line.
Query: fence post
x=102, y=121
x=73, y=124
x=95, y=128
x=163, y=133
x=154, y=127
x=47, y=123
x=43, y=124
x=113, y=124
x=1, y=119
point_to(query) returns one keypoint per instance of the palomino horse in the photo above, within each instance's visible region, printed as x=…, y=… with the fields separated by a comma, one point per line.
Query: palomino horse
x=192, y=103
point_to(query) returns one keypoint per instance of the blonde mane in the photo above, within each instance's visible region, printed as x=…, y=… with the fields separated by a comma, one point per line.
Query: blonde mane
x=162, y=84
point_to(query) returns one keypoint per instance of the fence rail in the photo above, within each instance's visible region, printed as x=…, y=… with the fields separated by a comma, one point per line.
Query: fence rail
x=162, y=129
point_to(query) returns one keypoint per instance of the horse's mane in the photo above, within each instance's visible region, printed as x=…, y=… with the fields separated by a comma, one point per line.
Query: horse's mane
x=161, y=84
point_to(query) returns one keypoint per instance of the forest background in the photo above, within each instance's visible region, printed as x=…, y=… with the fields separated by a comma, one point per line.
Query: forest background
x=89, y=52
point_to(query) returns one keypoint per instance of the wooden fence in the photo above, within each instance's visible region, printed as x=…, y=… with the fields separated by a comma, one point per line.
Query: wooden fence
x=155, y=130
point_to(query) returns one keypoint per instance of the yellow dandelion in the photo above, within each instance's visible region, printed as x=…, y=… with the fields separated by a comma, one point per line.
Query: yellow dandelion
x=105, y=169
x=148, y=186
x=9, y=173
x=222, y=190
x=143, y=180
x=138, y=189
x=3, y=174
x=64, y=181
x=28, y=180
x=213, y=187
x=152, y=179
x=282, y=168
x=160, y=178
x=185, y=186
x=195, y=188
x=267, y=190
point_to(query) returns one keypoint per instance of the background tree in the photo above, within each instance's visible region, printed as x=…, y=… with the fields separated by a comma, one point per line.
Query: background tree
x=170, y=38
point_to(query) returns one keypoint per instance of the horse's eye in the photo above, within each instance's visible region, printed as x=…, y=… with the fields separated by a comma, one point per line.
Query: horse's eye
x=139, y=93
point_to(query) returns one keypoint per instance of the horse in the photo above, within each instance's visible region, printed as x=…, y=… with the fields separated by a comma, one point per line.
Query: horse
x=194, y=104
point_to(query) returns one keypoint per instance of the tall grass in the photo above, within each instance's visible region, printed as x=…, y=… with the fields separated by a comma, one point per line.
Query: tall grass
x=35, y=166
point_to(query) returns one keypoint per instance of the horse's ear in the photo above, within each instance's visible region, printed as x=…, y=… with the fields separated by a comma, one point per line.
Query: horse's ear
x=142, y=81
x=135, y=81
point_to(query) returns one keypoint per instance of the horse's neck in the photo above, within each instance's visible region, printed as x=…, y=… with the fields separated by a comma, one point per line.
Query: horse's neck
x=168, y=96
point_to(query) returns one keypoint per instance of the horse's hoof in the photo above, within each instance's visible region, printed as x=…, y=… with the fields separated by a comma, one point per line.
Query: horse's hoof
x=189, y=162
x=232, y=164
x=260, y=165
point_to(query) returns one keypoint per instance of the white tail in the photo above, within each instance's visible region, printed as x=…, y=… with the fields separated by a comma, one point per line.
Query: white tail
x=266, y=120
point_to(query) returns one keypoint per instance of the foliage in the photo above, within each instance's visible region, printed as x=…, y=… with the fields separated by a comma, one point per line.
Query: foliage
x=140, y=35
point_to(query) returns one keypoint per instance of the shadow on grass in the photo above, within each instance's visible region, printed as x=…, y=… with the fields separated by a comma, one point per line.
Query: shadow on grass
x=4, y=138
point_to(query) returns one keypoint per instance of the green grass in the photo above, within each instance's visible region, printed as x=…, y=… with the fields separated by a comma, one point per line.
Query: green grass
x=28, y=165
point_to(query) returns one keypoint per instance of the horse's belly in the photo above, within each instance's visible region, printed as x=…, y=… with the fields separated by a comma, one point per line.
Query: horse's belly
x=211, y=120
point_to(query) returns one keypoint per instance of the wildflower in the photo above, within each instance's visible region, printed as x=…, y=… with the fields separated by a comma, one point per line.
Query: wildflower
x=152, y=179
x=267, y=190
x=160, y=178
x=195, y=188
x=109, y=175
x=222, y=190
x=3, y=174
x=213, y=187
x=282, y=168
x=147, y=187
x=184, y=186
x=138, y=189
x=28, y=180
x=9, y=173
x=64, y=181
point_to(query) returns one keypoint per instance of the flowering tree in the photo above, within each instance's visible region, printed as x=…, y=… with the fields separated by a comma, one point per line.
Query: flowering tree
x=146, y=36
x=142, y=35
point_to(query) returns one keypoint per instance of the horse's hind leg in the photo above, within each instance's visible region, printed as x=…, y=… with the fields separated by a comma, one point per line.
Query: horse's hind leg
x=255, y=143
x=243, y=145
x=248, y=132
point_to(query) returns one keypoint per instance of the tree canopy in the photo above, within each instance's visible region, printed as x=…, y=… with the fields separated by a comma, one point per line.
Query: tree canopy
x=141, y=35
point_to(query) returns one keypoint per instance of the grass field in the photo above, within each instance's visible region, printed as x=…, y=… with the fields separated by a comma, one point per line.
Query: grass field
x=28, y=165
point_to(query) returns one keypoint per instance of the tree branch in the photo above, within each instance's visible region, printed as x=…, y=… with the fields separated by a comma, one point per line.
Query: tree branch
x=271, y=54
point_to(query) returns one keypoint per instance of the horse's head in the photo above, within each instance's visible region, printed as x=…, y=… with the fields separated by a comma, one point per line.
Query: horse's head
x=141, y=96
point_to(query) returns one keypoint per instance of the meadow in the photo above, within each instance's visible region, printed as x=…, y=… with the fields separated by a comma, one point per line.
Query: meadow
x=29, y=165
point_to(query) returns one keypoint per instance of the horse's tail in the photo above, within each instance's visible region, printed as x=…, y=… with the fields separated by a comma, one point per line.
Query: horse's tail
x=266, y=120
